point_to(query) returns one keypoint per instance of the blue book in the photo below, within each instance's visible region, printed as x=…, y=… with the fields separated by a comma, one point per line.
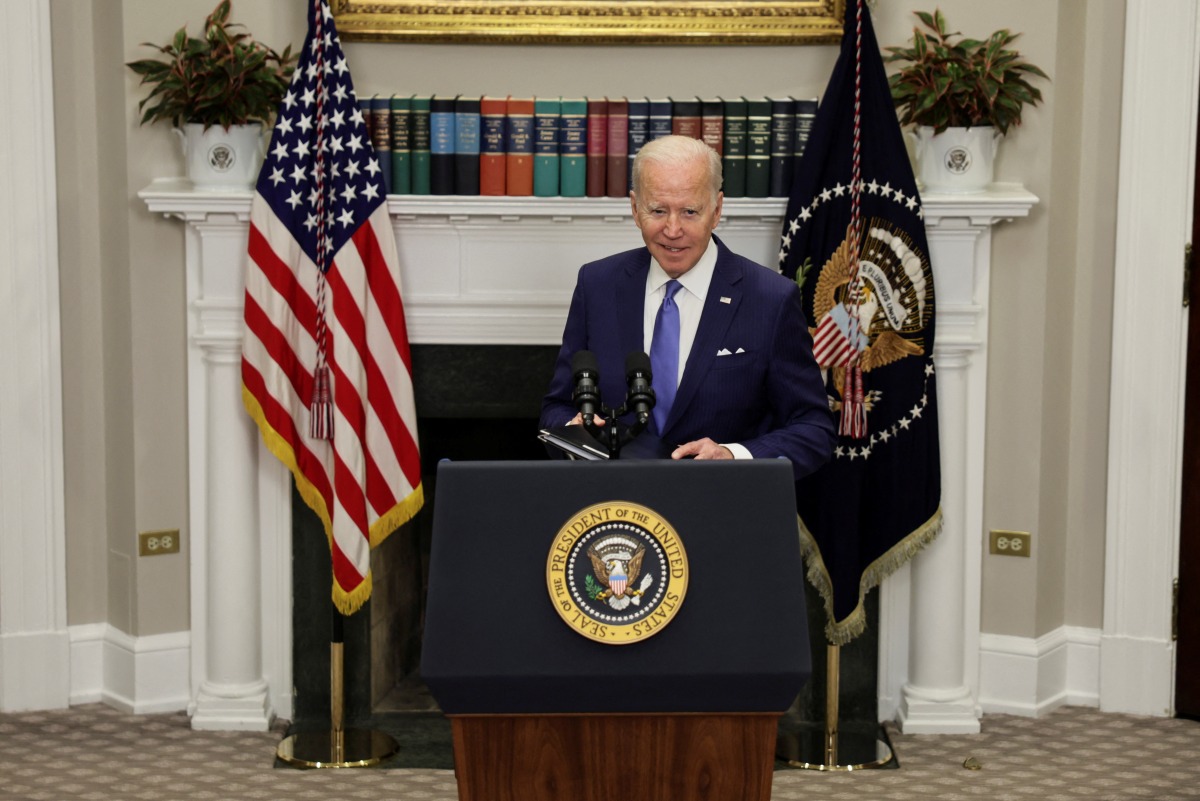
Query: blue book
x=442, y=139
x=466, y=145
x=639, y=130
x=660, y=118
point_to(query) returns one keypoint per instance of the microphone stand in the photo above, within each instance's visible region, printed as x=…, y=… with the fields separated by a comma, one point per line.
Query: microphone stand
x=610, y=434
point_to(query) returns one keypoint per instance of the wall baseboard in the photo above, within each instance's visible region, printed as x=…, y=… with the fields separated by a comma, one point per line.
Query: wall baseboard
x=1032, y=677
x=140, y=675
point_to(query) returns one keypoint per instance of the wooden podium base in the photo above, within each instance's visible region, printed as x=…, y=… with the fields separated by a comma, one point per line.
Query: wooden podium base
x=697, y=757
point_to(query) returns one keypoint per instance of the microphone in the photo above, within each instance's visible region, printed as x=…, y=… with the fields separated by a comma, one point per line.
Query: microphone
x=586, y=373
x=640, y=399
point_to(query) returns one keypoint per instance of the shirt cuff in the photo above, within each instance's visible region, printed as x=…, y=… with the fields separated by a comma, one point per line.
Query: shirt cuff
x=738, y=451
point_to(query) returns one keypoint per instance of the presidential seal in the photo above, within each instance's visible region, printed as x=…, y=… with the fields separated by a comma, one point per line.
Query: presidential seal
x=617, y=572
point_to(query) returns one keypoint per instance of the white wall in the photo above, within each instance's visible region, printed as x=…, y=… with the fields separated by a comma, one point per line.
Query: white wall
x=123, y=329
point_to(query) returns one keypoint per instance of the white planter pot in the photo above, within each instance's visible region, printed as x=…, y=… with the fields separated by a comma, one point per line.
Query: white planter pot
x=219, y=159
x=958, y=160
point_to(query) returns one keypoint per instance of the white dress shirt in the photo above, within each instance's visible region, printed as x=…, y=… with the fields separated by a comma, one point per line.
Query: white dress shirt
x=690, y=300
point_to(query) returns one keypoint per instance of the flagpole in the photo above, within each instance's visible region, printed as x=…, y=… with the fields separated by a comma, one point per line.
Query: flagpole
x=799, y=747
x=833, y=674
x=337, y=747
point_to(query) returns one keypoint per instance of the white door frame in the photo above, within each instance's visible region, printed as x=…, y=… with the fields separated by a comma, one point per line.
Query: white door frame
x=34, y=647
x=1154, y=213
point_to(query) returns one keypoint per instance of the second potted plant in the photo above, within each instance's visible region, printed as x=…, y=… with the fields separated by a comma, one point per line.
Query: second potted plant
x=962, y=95
x=218, y=91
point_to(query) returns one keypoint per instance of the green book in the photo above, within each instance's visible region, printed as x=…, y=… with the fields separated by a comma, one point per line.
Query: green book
x=401, y=145
x=546, y=112
x=758, y=146
x=419, y=145
x=733, y=157
x=572, y=152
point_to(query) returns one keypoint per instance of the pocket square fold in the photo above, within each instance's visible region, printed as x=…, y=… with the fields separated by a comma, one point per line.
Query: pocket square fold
x=723, y=352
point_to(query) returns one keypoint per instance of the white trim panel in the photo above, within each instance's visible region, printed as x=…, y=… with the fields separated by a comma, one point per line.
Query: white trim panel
x=1154, y=213
x=1031, y=677
x=140, y=675
x=34, y=672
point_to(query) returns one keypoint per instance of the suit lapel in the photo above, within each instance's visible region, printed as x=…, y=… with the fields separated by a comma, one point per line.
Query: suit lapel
x=631, y=300
x=720, y=306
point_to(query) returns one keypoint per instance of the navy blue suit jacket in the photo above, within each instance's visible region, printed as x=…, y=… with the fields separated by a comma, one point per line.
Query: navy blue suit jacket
x=766, y=394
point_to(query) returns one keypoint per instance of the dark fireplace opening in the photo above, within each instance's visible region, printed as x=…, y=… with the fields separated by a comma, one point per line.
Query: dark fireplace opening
x=474, y=402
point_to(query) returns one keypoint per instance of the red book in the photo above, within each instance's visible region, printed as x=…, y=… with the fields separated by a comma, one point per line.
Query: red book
x=519, y=146
x=712, y=124
x=685, y=117
x=492, y=155
x=597, y=148
x=617, y=159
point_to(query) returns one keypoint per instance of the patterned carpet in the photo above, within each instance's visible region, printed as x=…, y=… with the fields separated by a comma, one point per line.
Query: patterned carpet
x=94, y=752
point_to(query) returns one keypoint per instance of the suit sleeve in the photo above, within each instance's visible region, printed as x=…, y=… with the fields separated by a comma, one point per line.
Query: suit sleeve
x=802, y=428
x=557, y=405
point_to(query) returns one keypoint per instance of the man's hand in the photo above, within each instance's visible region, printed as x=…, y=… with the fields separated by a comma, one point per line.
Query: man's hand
x=702, y=449
x=577, y=420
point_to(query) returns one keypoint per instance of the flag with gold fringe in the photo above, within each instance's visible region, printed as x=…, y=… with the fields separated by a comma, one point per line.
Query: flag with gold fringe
x=326, y=368
x=854, y=239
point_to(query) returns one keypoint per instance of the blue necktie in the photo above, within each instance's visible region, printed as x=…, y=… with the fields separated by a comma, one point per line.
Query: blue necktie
x=664, y=355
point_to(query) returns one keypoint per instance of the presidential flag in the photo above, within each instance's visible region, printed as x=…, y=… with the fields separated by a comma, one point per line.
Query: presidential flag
x=854, y=239
x=326, y=370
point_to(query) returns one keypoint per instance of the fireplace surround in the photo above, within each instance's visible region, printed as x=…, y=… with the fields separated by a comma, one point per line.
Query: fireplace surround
x=472, y=276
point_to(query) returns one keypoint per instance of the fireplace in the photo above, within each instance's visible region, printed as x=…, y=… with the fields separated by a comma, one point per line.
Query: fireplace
x=484, y=271
x=474, y=402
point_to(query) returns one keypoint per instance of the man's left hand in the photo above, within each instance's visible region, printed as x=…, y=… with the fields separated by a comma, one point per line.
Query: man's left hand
x=702, y=449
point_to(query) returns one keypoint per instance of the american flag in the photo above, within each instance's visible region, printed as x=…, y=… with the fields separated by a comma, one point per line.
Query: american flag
x=326, y=370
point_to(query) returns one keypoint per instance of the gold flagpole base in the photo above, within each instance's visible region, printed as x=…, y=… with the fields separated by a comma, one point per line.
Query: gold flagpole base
x=805, y=749
x=803, y=745
x=348, y=748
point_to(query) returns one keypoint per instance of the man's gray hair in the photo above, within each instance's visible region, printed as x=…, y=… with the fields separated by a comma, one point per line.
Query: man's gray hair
x=678, y=152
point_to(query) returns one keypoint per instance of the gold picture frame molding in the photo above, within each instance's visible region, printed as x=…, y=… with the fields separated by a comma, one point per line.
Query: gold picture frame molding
x=699, y=22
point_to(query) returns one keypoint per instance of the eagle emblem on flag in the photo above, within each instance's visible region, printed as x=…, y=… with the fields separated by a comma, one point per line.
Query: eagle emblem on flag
x=878, y=319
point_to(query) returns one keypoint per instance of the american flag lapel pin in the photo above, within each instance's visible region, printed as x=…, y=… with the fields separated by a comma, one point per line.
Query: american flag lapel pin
x=725, y=299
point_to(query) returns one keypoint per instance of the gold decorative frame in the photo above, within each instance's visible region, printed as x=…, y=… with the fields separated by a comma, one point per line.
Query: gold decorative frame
x=592, y=21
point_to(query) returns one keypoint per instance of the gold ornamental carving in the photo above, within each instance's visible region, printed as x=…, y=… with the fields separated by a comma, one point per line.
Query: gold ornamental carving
x=702, y=22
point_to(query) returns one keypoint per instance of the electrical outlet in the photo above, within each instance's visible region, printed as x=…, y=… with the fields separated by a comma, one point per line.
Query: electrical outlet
x=1010, y=543
x=153, y=543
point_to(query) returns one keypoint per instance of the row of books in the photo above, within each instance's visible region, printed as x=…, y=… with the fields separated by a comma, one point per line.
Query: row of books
x=576, y=147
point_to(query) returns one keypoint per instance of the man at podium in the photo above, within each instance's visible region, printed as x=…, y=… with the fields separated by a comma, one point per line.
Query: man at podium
x=730, y=351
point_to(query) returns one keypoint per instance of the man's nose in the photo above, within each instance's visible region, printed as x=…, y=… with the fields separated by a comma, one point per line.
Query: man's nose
x=674, y=225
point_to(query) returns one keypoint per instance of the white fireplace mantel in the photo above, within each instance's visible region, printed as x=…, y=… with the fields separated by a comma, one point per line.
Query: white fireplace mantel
x=500, y=270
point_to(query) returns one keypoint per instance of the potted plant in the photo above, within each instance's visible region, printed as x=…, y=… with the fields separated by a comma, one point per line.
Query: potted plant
x=218, y=91
x=962, y=95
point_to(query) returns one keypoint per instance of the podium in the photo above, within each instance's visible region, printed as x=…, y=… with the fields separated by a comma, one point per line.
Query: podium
x=675, y=701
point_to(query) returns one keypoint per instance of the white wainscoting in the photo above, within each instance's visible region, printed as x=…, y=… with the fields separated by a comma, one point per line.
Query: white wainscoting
x=134, y=674
x=1033, y=676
